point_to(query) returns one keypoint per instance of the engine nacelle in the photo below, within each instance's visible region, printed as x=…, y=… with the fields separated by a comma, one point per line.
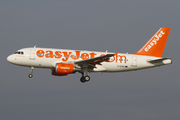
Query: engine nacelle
x=63, y=69
x=57, y=74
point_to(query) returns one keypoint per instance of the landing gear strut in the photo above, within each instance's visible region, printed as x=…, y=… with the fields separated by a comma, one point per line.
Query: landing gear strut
x=31, y=75
x=85, y=78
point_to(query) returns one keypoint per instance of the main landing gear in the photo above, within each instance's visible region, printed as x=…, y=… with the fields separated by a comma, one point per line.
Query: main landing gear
x=31, y=75
x=85, y=78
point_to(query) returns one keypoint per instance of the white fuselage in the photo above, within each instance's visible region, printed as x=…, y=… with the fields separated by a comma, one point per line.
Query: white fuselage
x=48, y=57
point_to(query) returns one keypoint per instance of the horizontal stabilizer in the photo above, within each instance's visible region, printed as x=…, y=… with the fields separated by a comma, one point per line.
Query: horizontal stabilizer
x=161, y=61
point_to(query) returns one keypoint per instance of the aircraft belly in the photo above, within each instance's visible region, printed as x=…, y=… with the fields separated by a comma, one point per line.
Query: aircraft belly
x=116, y=67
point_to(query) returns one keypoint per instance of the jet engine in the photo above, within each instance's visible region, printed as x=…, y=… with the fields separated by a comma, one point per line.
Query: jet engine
x=57, y=74
x=63, y=69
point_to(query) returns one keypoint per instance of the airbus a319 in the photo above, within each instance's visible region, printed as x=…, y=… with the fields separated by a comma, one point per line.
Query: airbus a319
x=64, y=61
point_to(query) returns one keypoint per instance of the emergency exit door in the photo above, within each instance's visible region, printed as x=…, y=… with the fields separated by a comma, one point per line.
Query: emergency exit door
x=32, y=54
x=134, y=61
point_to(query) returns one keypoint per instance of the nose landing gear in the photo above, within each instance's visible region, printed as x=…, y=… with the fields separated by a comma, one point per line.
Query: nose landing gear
x=31, y=75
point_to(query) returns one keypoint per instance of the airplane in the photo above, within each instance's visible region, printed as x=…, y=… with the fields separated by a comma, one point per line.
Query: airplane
x=64, y=61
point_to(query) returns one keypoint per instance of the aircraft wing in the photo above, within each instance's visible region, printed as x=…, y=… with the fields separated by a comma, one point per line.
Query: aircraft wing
x=95, y=61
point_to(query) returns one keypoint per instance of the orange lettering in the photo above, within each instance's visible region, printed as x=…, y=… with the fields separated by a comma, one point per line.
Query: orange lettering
x=77, y=55
x=109, y=58
x=49, y=54
x=84, y=56
x=121, y=57
x=92, y=54
x=66, y=56
x=58, y=54
x=112, y=59
x=40, y=53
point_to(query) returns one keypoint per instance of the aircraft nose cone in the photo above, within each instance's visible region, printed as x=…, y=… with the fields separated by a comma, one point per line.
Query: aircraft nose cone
x=10, y=58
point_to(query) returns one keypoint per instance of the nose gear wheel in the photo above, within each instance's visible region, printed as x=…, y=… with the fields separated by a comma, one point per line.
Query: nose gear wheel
x=31, y=75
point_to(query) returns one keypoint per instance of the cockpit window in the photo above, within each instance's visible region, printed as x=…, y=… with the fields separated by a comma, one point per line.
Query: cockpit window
x=19, y=52
x=16, y=52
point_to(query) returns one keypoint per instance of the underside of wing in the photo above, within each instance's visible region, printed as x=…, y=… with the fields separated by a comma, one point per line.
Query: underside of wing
x=94, y=62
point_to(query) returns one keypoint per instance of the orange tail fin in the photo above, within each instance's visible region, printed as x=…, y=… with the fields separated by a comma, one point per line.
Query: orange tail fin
x=155, y=46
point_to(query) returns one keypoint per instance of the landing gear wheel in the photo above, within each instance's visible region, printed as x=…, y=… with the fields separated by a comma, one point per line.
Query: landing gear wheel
x=87, y=78
x=30, y=75
x=82, y=79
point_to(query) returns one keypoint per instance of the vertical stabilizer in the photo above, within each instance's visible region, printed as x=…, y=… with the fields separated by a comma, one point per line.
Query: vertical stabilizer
x=155, y=46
